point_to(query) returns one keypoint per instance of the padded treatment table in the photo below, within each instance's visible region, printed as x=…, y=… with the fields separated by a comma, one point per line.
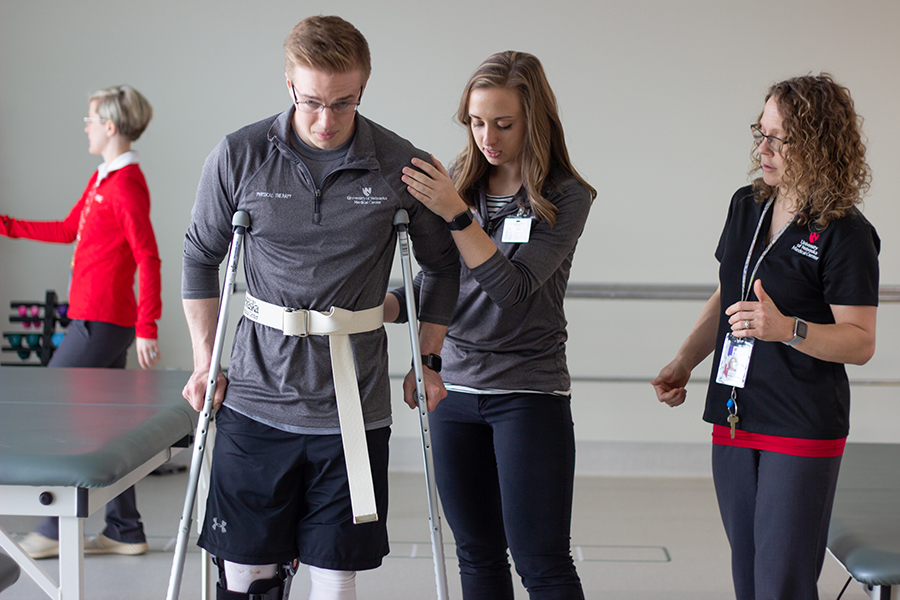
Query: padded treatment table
x=73, y=439
x=865, y=525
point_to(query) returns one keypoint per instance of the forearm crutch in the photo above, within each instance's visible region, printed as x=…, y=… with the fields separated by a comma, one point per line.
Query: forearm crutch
x=401, y=222
x=240, y=222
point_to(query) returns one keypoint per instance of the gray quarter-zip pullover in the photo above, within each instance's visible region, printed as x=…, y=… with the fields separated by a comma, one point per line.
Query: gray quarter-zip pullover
x=314, y=248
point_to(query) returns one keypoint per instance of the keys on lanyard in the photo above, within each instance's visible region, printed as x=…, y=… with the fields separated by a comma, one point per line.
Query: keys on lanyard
x=732, y=411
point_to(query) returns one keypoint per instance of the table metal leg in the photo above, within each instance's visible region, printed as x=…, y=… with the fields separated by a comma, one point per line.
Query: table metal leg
x=71, y=558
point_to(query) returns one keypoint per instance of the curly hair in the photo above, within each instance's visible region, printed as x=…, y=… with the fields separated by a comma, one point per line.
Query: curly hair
x=824, y=152
x=545, y=143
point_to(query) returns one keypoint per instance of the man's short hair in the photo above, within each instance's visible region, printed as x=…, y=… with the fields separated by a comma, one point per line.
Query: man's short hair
x=329, y=44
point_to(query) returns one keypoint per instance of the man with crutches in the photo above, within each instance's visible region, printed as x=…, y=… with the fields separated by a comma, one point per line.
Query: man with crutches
x=300, y=461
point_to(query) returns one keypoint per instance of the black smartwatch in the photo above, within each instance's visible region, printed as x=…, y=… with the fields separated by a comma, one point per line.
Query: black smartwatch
x=432, y=361
x=460, y=221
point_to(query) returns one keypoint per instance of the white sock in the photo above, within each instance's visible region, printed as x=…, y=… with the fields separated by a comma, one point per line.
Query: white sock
x=332, y=585
x=239, y=577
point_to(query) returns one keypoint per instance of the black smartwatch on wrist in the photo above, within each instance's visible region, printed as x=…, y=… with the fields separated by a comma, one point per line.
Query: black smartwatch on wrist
x=432, y=361
x=460, y=221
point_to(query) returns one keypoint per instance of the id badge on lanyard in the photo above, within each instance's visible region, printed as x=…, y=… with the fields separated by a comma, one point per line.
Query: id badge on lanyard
x=735, y=361
x=517, y=229
x=736, y=352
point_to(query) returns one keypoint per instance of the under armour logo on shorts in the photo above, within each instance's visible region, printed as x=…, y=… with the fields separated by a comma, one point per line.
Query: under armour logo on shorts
x=217, y=524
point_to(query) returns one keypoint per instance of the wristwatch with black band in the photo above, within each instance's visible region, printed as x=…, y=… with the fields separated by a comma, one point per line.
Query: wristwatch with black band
x=432, y=361
x=800, y=330
x=460, y=221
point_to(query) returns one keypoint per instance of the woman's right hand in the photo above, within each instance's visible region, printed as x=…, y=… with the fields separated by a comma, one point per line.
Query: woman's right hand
x=670, y=383
x=432, y=186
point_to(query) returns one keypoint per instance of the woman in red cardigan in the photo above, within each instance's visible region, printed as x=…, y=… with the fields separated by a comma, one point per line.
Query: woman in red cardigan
x=110, y=225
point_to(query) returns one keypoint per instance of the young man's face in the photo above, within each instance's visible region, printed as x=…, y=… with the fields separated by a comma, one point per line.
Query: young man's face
x=333, y=124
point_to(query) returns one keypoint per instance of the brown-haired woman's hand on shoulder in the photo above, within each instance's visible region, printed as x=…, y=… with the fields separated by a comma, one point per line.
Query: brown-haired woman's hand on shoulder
x=432, y=186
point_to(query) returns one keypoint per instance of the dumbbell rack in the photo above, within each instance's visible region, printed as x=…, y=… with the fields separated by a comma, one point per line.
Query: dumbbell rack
x=44, y=328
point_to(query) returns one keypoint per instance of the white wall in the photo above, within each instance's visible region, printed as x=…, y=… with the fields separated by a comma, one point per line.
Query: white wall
x=656, y=97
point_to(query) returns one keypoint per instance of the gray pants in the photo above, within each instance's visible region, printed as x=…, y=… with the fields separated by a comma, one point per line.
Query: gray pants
x=776, y=509
x=103, y=345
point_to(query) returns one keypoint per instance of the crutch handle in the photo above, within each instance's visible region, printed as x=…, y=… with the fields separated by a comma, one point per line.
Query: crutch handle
x=401, y=218
x=240, y=219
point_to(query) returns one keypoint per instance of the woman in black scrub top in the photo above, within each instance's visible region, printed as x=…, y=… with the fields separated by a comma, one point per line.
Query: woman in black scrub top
x=797, y=300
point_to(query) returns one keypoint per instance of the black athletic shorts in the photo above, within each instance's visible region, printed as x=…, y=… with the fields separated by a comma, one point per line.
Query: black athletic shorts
x=275, y=496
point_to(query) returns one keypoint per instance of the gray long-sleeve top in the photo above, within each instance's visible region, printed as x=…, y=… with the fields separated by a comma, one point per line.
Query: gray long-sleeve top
x=509, y=328
x=312, y=248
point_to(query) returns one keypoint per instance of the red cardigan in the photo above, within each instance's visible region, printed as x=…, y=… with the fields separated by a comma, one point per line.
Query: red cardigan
x=116, y=239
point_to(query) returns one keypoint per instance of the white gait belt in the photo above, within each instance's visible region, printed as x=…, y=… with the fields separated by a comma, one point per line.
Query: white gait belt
x=338, y=324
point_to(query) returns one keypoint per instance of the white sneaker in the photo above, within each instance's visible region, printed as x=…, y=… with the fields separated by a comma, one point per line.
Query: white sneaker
x=39, y=546
x=101, y=544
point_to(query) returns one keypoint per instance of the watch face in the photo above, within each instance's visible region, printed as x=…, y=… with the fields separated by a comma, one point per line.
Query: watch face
x=802, y=328
x=461, y=221
x=432, y=361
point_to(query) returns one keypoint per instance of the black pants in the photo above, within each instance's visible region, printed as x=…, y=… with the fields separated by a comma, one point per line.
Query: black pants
x=776, y=509
x=104, y=345
x=505, y=467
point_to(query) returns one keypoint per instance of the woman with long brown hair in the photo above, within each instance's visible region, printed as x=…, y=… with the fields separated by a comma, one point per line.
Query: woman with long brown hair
x=504, y=444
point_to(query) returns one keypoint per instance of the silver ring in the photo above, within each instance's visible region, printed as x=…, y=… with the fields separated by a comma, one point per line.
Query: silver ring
x=746, y=324
x=153, y=355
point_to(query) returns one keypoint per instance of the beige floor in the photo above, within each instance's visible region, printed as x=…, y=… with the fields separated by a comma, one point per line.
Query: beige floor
x=633, y=539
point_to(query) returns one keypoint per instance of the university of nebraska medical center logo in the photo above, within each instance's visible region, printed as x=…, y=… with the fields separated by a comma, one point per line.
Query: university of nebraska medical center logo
x=367, y=197
x=808, y=249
